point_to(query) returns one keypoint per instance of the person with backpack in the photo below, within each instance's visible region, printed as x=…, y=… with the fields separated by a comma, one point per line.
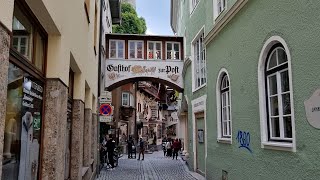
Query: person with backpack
x=141, y=148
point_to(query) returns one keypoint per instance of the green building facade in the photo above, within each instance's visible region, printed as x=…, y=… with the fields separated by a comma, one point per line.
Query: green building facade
x=251, y=86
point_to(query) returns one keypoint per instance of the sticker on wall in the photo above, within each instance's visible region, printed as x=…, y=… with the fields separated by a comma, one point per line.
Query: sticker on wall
x=312, y=107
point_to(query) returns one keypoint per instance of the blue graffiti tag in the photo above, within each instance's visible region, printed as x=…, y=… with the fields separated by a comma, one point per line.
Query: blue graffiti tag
x=244, y=140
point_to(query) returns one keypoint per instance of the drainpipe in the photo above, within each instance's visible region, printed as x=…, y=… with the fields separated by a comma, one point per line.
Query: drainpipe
x=99, y=86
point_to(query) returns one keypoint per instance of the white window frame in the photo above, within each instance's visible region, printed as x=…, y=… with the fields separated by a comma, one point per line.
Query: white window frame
x=172, y=51
x=216, y=9
x=265, y=142
x=122, y=99
x=193, y=5
x=154, y=50
x=220, y=138
x=26, y=46
x=117, y=49
x=135, y=49
x=194, y=77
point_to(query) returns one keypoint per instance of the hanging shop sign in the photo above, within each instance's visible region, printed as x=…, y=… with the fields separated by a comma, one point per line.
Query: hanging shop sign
x=119, y=70
x=106, y=110
x=312, y=107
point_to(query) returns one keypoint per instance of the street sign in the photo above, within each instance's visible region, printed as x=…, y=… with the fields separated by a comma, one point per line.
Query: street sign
x=106, y=119
x=106, y=109
x=104, y=100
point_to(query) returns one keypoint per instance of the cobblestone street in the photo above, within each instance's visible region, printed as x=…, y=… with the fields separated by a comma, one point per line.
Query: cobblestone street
x=153, y=167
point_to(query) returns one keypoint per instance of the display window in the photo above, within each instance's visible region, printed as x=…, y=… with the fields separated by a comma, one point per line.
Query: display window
x=22, y=126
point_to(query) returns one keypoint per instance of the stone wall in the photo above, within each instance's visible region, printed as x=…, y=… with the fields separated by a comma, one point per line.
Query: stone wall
x=55, y=123
x=77, y=140
x=4, y=65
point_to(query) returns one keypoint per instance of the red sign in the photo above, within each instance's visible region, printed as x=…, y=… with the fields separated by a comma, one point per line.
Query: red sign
x=105, y=109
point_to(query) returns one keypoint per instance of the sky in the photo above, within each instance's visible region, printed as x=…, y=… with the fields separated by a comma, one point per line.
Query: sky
x=157, y=16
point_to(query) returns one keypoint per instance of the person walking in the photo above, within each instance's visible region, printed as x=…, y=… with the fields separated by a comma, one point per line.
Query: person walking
x=164, y=142
x=168, y=147
x=130, y=147
x=176, y=148
x=141, y=148
x=110, y=149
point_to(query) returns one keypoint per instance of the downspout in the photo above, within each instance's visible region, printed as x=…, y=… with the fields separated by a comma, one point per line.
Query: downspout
x=99, y=86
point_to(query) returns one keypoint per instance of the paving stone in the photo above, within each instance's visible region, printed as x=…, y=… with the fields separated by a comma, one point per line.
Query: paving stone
x=153, y=167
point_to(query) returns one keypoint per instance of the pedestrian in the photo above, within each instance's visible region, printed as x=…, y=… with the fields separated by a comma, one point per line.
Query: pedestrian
x=164, y=142
x=168, y=147
x=110, y=149
x=141, y=148
x=130, y=147
x=176, y=148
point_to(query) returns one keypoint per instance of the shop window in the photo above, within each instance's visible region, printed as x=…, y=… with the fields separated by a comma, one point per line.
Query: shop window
x=136, y=49
x=116, y=49
x=173, y=50
x=22, y=125
x=27, y=40
x=154, y=50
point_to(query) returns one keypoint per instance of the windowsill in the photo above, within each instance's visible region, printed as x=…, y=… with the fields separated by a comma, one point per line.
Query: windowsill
x=200, y=87
x=116, y=58
x=84, y=170
x=224, y=140
x=219, y=15
x=278, y=146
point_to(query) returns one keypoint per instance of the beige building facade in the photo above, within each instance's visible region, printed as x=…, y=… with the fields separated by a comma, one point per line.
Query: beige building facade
x=49, y=56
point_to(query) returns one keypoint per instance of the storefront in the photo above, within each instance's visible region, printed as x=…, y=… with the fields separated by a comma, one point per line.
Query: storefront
x=25, y=89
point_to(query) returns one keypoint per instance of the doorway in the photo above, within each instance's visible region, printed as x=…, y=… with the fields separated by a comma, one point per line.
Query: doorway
x=200, y=143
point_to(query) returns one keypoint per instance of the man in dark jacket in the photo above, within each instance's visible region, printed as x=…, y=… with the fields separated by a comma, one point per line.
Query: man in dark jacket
x=130, y=149
x=141, y=148
x=176, y=148
x=110, y=149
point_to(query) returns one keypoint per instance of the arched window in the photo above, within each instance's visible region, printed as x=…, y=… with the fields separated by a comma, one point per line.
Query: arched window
x=278, y=95
x=224, y=107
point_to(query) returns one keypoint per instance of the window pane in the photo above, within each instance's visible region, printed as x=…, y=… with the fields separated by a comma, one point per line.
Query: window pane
x=275, y=127
x=150, y=46
x=224, y=113
x=112, y=53
x=39, y=56
x=158, y=54
x=273, y=85
x=287, y=127
x=229, y=125
x=132, y=54
x=282, y=56
x=120, y=45
x=158, y=46
x=139, y=55
x=274, y=107
x=150, y=55
x=285, y=81
x=272, y=60
x=120, y=53
x=224, y=124
x=112, y=44
x=132, y=46
x=176, y=55
x=223, y=100
x=169, y=46
x=139, y=46
x=286, y=106
x=22, y=30
x=168, y=55
x=176, y=47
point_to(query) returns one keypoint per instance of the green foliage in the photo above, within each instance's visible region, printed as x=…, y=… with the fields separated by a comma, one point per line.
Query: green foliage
x=130, y=23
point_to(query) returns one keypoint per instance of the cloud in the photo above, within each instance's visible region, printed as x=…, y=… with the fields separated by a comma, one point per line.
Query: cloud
x=149, y=32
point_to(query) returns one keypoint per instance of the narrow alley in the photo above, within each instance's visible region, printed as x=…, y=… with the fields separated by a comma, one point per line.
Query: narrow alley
x=154, y=166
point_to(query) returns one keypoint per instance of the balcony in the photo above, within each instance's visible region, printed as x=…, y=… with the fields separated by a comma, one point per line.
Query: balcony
x=126, y=112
